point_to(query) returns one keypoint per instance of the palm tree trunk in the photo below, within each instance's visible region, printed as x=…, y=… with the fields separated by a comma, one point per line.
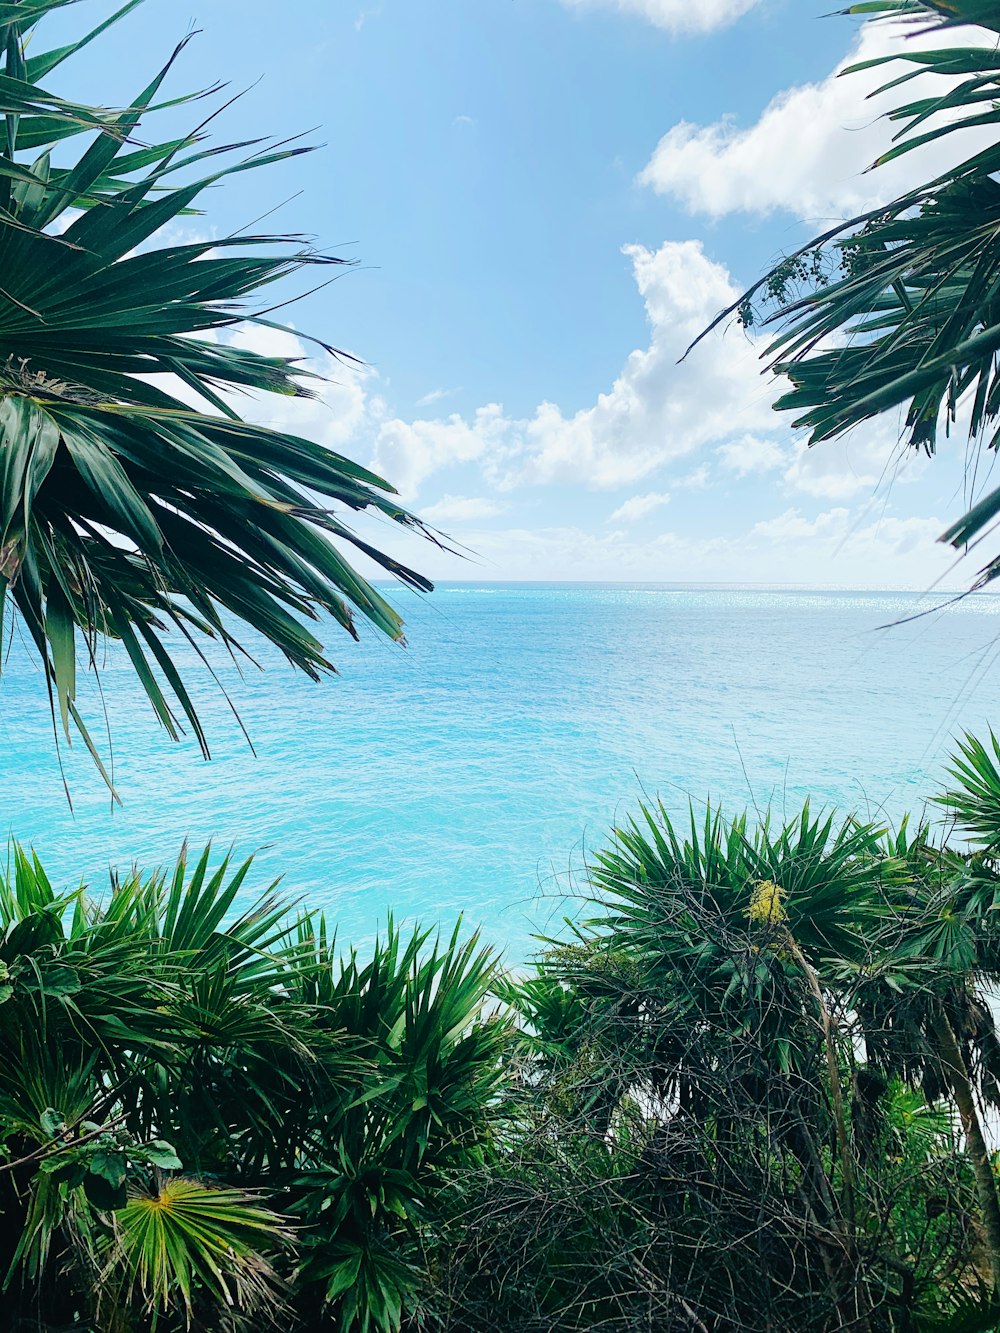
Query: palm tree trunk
x=860, y=1316
x=836, y=1087
x=975, y=1142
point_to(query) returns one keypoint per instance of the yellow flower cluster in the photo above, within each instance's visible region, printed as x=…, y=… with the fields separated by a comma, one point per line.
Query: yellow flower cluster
x=767, y=907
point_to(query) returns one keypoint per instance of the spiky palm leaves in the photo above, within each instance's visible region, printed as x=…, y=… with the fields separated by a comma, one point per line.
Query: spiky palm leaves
x=126, y=512
x=899, y=306
x=694, y=1056
x=208, y=1112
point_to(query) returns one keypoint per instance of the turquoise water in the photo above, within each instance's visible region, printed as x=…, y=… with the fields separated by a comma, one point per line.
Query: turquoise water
x=470, y=772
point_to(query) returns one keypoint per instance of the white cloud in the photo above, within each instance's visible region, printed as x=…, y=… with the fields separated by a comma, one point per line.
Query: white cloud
x=341, y=408
x=408, y=452
x=697, y=480
x=808, y=151
x=434, y=396
x=639, y=507
x=839, y=547
x=461, y=509
x=675, y=15
x=872, y=458
x=793, y=525
x=658, y=411
x=889, y=540
x=752, y=454
x=654, y=413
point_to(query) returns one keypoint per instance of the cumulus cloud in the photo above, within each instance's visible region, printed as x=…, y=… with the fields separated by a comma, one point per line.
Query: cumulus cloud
x=713, y=413
x=675, y=15
x=640, y=506
x=342, y=406
x=654, y=413
x=461, y=509
x=752, y=454
x=809, y=151
x=411, y=451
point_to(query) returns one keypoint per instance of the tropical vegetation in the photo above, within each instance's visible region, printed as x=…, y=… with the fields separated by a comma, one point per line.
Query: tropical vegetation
x=136, y=503
x=749, y=1088
x=895, y=310
x=218, y=1118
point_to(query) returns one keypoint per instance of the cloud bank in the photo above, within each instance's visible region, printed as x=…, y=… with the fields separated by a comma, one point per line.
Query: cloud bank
x=675, y=15
x=810, y=150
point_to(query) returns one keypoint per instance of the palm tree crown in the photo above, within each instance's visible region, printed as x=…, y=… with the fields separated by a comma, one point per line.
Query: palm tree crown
x=125, y=512
x=897, y=307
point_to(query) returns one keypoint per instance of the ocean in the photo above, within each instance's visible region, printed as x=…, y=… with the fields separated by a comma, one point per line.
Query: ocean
x=471, y=773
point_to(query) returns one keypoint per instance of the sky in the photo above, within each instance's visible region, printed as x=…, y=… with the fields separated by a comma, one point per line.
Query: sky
x=545, y=201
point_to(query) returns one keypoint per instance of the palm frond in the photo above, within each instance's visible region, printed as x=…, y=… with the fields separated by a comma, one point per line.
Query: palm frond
x=190, y=1240
x=898, y=307
x=975, y=799
x=126, y=513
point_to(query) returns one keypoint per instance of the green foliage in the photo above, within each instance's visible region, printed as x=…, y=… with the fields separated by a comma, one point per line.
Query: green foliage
x=744, y=1095
x=126, y=512
x=202, y=1104
x=190, y=1239
x=420, y=1109
x=677, y=1155
x=975, y=803
x=898, y=306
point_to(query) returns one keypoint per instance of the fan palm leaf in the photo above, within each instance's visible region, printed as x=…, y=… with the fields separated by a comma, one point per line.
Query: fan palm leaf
x=190, y=1238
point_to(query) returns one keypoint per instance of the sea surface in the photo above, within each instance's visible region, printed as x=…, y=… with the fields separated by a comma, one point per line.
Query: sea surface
x=471, y=773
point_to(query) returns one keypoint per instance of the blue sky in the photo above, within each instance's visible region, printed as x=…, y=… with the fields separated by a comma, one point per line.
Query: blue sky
x=546, y=199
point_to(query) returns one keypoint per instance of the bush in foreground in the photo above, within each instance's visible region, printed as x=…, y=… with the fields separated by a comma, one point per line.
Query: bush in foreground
x=213, y=1119
x=747, y=1092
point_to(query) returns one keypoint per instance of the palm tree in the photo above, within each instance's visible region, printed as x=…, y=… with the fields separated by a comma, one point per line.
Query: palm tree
x=126, y=513
x=698, y=1136
x=209, y=1111
x=710, y=977
x=923, y=994
x=898, y=306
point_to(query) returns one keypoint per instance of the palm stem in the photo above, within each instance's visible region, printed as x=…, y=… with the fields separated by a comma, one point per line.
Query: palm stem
x=975, y=1141
x=836, y=1086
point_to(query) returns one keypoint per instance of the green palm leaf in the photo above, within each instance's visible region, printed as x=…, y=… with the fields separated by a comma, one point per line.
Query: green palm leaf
x=126, y=513
x=900, y=306
x=191, y=1238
